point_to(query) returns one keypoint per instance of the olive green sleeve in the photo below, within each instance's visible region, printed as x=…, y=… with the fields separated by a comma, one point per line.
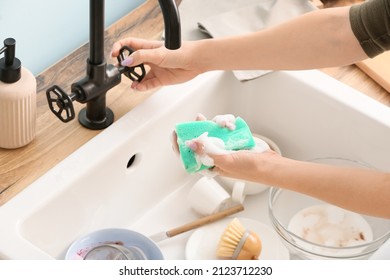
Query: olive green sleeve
x=370, y=22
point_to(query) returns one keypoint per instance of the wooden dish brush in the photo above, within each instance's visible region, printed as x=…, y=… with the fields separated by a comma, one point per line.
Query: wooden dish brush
x=238, y=243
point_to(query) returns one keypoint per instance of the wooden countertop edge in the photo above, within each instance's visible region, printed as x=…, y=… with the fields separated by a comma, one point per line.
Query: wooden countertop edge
x=56, y=140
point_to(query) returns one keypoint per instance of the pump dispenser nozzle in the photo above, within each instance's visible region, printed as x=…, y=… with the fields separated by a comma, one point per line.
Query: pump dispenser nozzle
x=10, y=66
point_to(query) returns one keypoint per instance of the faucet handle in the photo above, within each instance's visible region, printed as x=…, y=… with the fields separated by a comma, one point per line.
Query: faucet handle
x=134, y=73
x=60, y=103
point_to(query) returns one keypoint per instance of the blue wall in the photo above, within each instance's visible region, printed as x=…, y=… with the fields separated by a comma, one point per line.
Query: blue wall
x=47, y=30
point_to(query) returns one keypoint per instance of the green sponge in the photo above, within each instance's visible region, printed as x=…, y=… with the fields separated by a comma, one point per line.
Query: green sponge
x=238, y=139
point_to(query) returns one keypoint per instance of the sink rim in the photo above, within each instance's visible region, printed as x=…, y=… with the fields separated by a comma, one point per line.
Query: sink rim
x=133, y=121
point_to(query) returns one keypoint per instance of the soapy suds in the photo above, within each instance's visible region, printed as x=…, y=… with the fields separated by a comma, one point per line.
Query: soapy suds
x=227, y=120
x=331, y=226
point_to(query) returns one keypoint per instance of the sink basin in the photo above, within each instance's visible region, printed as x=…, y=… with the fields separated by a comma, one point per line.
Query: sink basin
x=129, y=177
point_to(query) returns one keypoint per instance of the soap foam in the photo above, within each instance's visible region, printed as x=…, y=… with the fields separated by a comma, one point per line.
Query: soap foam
x=227, y=120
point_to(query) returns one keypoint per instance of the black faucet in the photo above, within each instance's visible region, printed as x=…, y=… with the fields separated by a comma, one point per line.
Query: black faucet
x=101, y=76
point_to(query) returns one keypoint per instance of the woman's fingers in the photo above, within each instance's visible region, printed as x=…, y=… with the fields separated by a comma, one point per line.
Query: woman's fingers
x=135, y=44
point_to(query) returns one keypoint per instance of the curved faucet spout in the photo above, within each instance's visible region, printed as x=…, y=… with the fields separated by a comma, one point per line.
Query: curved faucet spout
x=172, y=24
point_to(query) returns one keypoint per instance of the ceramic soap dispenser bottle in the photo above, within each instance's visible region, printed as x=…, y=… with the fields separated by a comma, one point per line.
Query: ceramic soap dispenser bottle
x=17, y=100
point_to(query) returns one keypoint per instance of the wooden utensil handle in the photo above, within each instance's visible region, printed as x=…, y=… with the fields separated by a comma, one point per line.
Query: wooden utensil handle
x=205, y=220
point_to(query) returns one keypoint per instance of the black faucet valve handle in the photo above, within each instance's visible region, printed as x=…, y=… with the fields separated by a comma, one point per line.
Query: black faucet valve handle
x=60, y=103
x=134, y=73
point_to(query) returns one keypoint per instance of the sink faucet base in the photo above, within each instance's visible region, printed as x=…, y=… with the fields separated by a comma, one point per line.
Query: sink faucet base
x=96, y=115
x=86, y=122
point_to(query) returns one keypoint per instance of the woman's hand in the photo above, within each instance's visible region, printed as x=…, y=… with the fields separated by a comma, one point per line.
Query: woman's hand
x=167, y=67
x=244, y=164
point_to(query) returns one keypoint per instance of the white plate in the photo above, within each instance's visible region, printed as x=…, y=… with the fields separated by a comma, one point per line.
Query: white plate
x=81, y=246
x=202, y=244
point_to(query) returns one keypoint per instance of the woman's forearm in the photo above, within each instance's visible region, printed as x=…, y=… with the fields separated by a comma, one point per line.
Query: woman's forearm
x=318, y=39
x=361, y=190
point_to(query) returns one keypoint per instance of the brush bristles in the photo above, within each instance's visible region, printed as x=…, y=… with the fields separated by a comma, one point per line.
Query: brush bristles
x=230, y=239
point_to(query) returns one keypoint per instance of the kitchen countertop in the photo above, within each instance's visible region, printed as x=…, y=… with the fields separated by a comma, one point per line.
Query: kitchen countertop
x=56, y=140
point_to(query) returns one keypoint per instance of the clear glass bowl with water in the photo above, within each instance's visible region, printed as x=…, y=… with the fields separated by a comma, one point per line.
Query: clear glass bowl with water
x=284, y=206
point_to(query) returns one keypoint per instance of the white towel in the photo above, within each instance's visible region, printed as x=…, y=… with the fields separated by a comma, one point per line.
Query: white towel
x=221, y=18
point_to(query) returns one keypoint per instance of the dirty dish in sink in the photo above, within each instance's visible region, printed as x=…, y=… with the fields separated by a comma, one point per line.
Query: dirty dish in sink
x=124, y=237
x=202, y=244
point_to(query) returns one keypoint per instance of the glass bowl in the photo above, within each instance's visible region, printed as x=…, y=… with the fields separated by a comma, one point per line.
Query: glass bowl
x=343, y=235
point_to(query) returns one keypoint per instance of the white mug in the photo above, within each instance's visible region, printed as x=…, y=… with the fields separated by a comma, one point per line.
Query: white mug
x=207, y=196
x=240, y=189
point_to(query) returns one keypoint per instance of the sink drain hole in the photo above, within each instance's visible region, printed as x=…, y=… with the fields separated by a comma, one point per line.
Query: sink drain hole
x=131, y=161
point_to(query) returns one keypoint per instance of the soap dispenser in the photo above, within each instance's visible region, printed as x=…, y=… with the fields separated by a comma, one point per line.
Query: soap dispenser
x=17, y=100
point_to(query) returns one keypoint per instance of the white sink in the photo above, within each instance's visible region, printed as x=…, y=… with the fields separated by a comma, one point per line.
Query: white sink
x=308, y=114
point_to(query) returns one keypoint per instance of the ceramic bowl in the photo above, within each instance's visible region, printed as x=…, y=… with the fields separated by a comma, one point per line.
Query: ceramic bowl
x=116, y=236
